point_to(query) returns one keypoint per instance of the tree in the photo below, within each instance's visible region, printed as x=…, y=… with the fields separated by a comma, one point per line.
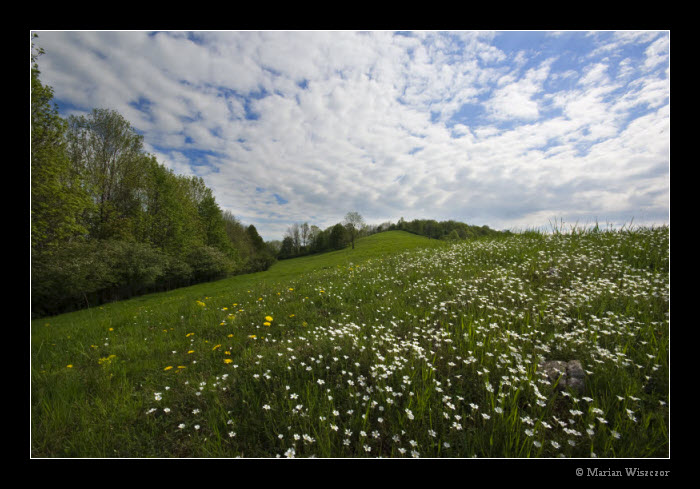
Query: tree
x=255, y=238
x=304, y=232
x=294, y=232
x=336, y=239
x=353, y=223
x=287, y=249
x=107, y=151
x=57, y=197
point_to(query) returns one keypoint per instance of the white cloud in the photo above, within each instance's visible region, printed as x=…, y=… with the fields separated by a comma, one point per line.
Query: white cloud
x=515, y=97
x=349, y=121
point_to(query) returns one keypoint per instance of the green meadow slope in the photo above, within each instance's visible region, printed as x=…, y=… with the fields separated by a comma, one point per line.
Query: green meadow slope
x=402, y=347
x=68, y=391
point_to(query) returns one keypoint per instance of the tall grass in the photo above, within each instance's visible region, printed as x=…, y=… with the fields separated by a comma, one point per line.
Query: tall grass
x=403, y=347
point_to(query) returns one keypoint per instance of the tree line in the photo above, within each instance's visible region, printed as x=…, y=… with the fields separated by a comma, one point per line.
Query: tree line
x=108, y=221
x=304, y=239
x=445, y=230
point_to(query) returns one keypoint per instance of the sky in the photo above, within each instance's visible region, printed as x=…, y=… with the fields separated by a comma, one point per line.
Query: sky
x=513, y=130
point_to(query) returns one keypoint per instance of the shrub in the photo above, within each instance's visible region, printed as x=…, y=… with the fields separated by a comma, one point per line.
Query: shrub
x=208, y=263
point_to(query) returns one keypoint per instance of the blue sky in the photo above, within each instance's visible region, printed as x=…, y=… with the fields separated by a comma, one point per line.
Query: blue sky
x=513, y=130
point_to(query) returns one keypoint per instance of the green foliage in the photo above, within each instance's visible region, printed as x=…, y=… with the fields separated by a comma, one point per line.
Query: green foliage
x=108, y=153
x=84, y=273
x=338, y=237
x=57, y=198
x=442, y=229
x=208, y=263
x=253, y=253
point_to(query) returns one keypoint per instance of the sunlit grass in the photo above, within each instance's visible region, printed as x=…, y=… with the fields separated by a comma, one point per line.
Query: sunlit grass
x=404, y=347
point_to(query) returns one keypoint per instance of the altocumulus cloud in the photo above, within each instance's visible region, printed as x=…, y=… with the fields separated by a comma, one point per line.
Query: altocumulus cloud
x=508, y=129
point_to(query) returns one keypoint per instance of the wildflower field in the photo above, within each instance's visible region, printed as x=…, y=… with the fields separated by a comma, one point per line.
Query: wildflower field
x=403, y=347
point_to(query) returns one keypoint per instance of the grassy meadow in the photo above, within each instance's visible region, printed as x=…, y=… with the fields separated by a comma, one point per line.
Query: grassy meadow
x=402, y=347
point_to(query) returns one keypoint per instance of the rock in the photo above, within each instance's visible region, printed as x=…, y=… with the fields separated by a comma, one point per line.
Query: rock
x=570, y=374
x=575, y=376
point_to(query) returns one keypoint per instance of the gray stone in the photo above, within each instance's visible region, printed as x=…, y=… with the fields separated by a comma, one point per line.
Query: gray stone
x=569, y=374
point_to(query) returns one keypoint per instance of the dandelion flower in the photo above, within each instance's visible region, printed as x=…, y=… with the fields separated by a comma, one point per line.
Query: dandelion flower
x=268, y=318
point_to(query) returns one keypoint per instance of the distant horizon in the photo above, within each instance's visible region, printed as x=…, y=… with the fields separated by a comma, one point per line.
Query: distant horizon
x=512, y=130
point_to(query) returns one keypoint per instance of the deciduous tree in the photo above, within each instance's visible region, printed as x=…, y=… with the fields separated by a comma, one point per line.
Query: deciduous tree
x=353, y=223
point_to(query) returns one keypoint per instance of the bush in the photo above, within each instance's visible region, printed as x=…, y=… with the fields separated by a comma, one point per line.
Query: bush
x=208, y=263
x=68, y=276
x=80, y=274
x=177, y=273
x=136, y=267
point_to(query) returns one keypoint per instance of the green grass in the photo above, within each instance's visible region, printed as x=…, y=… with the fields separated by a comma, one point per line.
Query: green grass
x=401, y=347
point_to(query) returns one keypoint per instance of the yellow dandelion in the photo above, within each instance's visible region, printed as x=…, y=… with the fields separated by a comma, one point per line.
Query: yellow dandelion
x=292, y=315
x=217, y=346
x=190, y=352
x=181, y=367
x=252, y=336
x=111, y=329
x=168, y=367
x=268, y=318
x=228, y=360
x=69, y=366
x=108, y=359
x=231, y=335
x=291, y=289
x=227, y=353
x=188, y=335
x=266, y=323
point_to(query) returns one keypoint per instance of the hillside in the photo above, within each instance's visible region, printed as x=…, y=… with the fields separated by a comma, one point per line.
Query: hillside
x=403, y=347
